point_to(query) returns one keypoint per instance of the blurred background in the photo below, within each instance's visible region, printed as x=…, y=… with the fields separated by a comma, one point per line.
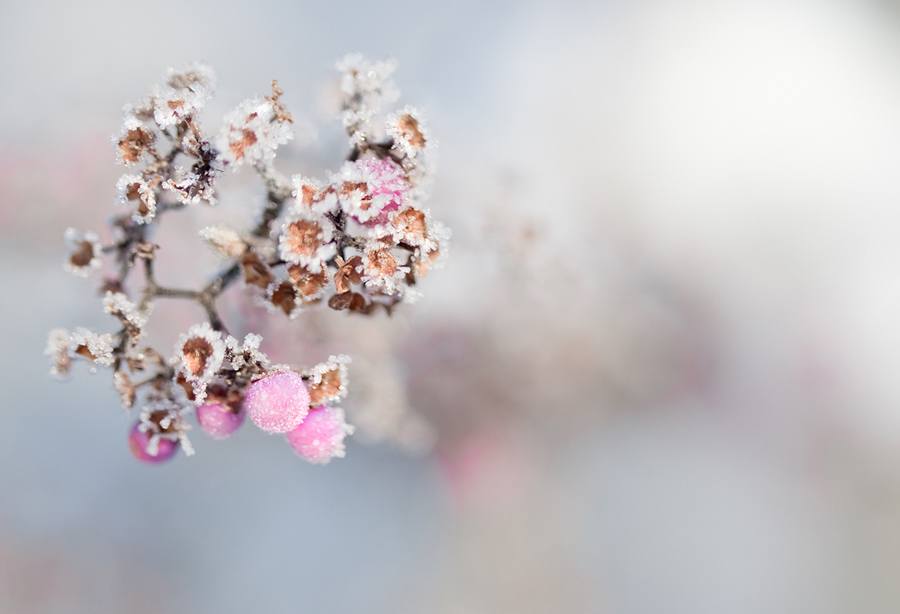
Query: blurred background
x=658, y=374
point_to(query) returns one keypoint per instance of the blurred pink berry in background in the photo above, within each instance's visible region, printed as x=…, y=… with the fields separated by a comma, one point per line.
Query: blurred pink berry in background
x=138, y=441
x=218, y=420
x=277, y=403
x=320, y=437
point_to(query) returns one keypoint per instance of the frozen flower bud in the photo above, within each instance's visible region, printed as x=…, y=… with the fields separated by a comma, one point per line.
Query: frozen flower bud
x=58, y=352
x=135, y=190
x=218, y=420
x=84, y=252
x=251, y=133
x=410, y=226
x=320, y=437
x=278, y=402
x=224, y=241
x=365, y=87
x=186, y=91
x=327, y=381
x=97, y=349
x=149, y=449
x=411, y=136
x=306, y=239
x=200, y=353
x=135, y=139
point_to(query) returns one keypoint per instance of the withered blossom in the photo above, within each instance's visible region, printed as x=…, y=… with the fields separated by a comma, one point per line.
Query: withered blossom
x=349, y=272
x=309, y=285
x=251, y=133
x=327, y=381
x=164, y=419
x=200, y=353
x=96, y=349
x=84, y=252
x=306, y=239
x=407, y=128
x=135, y=190
x=135, y=140
x=256, y=272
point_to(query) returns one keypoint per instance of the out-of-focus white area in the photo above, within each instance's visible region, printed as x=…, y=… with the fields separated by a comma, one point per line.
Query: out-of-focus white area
x=661, y=364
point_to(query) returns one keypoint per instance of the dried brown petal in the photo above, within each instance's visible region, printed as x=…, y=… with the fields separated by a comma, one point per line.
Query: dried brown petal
x=380, y=263
x=408, y=127
x=339, y=302
x=134, y=144
x=256, y=272
x=307, y=284
x=195, y=354
x=125, y=388
x=82, y=255
x=248, y=138
x=327, y=389
x=302, y=237
x=285, y=297
x=411, y=223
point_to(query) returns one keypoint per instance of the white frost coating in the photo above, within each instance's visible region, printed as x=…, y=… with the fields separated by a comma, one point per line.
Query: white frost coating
x=185, y=93
x=365, y=86
x=338, y=363
x=250, y=133
x=117, y=305
x=414, y=140
x=306, y=239
x=201, y=353
x=78, y=241
x=127, y=185
x=249, y=353
x=100, y=347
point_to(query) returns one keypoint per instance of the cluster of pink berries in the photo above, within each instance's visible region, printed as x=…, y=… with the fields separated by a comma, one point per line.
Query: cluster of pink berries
x=276, y=403
x=357, y=241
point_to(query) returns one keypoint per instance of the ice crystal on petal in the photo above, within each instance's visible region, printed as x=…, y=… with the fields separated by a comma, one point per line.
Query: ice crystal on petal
x=84, y=252
x=134, y=189
x=407, y=128
x=246, y=354
x=186, y=91
x=117, y=304
x=251, y=133
x=306, y=239
x=97, y=349
x=200, y=353
x=135, y=140
x=327, y=381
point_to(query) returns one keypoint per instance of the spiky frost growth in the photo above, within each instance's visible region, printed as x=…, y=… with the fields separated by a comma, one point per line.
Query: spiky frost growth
x=251, y=133
x=57, y=351
x=306, y=239
x=365, y=87
x=186, y=91
x=327, y=381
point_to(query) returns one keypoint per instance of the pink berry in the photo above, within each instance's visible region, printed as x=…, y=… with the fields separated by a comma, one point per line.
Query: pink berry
x=138, y=441
x=218, y=420
x=384, y=177
x=278, y=402
x=320, y=437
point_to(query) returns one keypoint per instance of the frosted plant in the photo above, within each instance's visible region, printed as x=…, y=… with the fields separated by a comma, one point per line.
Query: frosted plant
x=357, y=240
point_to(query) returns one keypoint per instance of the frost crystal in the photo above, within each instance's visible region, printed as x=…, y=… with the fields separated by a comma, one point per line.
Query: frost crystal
x=328, y=380
x=251, y=133
x=133, y=189
x=98, y=349
x=184, y=94
x=117, y=304
x=407, y=128
x=365, y=87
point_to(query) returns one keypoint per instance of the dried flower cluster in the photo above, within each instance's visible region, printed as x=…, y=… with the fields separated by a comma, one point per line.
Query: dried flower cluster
x=359, y=240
